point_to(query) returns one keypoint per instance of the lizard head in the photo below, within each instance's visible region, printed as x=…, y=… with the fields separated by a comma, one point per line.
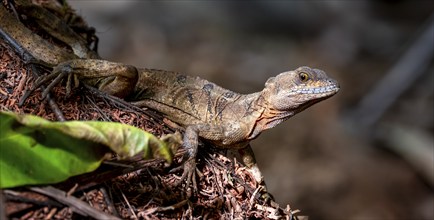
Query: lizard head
x=296, y=90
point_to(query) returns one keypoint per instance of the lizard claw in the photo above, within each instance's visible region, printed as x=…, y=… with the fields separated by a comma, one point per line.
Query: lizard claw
x=57, y=74
x=188, y=174
x=38, y=83
x=60, y=72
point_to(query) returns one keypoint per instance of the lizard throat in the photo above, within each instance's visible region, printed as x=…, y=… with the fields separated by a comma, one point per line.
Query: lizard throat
x=269, y=119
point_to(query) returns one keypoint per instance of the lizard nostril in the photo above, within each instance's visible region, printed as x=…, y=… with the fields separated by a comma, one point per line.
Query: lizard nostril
x=331, y=81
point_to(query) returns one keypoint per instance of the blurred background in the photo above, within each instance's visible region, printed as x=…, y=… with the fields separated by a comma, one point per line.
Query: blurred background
x=366, y=153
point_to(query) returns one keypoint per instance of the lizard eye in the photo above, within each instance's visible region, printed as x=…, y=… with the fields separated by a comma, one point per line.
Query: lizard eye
x=303, y=76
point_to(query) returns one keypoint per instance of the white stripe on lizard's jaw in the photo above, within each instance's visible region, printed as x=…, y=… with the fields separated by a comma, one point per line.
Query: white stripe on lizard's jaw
x=314, y=90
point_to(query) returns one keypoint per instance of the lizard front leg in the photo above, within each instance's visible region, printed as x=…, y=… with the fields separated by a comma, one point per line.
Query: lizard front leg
x=214, y=132
x=190, y=143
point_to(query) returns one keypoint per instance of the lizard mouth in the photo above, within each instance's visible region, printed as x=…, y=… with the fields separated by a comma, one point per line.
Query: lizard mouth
x=324, y=90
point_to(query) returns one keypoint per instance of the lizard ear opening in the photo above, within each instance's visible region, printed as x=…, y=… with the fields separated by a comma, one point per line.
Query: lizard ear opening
x=270, y=81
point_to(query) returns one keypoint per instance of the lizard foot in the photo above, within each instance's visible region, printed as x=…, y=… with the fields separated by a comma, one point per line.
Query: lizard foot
x=57, y=74
x=188, y=174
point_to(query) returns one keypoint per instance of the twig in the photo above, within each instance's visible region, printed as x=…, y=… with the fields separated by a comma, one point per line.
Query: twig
x=77, y=204
x=109, y=201
x=11, y=195
x=98, y=109
x=72, y=190
x=128, y=204
x=51, y=213
x=14, y=10
x=173, y=207
x=55, y=108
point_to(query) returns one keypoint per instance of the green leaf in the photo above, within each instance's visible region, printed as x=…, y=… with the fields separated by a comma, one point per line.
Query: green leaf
x=36, y=151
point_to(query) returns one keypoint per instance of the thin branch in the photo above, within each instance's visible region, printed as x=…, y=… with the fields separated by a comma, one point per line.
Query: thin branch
x=77, y=204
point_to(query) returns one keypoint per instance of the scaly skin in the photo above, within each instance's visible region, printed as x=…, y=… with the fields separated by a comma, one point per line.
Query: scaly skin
x=225, y=118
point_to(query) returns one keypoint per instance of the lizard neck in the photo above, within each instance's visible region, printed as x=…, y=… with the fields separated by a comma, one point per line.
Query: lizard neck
x=266, y=116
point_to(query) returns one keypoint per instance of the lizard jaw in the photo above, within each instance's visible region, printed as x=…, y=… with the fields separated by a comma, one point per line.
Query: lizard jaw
x=323, y=91
x=306, y=96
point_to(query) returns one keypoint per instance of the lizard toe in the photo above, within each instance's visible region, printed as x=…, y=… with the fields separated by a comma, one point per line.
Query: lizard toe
x=53, y=83
x=188, y=174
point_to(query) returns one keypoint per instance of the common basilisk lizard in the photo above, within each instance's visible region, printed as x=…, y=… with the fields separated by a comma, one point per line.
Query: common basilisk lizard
x=225, y=118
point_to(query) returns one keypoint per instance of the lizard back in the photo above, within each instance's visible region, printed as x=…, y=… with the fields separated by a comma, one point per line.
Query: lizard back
x=183, y=98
